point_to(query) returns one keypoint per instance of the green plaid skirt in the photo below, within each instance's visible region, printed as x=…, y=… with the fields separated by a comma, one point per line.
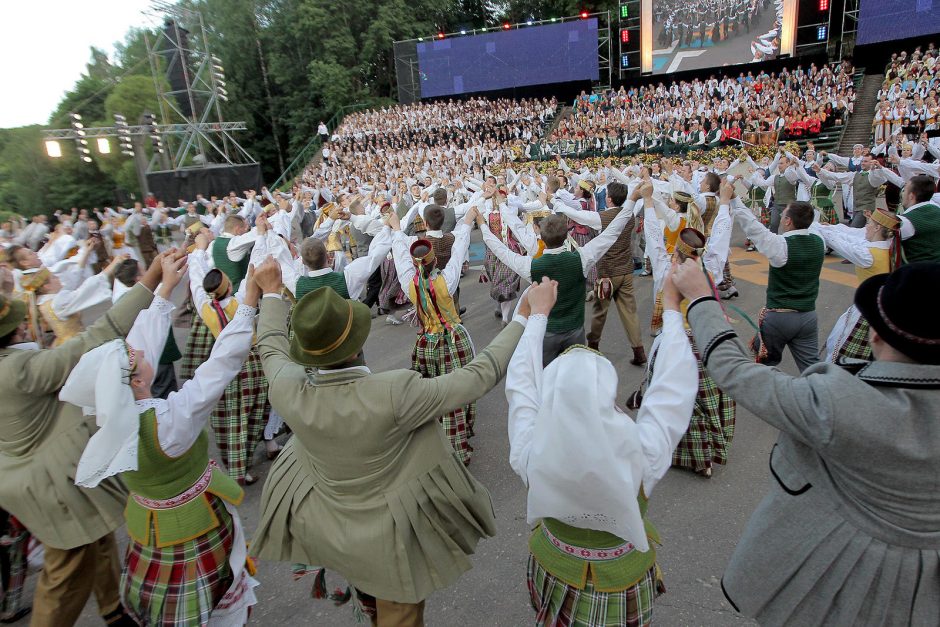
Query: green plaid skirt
x=240, y=415
x=198, y=346
x=856, y=345
x=14, y=544
x=179, y=584
x=558, y=604
x=708, y=438
x=437, y=354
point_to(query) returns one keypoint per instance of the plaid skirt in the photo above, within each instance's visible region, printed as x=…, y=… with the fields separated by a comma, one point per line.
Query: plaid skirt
x=14, y=543
x=504, y=282
x=239, y=417
x=557, y=604
x=711, y=430
x=391, y=293
x=855, y=345
x=183, y=583
x=198, y=346
x=827, y=213
x=437, y=354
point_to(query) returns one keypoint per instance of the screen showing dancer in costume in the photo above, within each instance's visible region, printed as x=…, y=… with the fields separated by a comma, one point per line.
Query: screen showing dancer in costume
x=698, y=34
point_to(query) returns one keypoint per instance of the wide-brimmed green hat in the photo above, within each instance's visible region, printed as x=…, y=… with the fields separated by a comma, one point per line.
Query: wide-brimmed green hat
x=328, y=329
x=12, y=313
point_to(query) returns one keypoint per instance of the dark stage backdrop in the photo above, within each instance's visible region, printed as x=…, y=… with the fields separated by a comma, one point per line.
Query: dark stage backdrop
x=218, y=180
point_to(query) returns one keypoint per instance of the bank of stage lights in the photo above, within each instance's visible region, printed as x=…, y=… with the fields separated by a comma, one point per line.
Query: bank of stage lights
x=505, y=26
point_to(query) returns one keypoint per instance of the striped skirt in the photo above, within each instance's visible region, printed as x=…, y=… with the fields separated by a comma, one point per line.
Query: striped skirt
x=239, y=417
x=504, y=282
x=198, y=346
x=437, y=354
x=711, y=430
x=581, y=239
x=14, y=543
x=391, y=294
x=827, y=213
x=179, y=584
x=558, y=604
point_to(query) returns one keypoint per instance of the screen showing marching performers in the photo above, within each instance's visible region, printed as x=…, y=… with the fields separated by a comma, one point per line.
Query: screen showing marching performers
x=887, y=20
x=536, y=55
x=699, y=34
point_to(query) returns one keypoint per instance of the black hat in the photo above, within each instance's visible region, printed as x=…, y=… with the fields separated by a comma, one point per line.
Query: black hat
x=893, y=304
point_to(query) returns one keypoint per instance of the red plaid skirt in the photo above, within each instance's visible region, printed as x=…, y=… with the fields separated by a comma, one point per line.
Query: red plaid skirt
x=437, y=354
x=239, y=417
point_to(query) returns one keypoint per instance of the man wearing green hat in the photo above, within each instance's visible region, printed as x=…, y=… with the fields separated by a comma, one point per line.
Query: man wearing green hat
x=41, y=441
x=369, y=485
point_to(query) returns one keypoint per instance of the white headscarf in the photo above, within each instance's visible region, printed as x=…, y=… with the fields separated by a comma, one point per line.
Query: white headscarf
x=586, y=464
x=98, y=385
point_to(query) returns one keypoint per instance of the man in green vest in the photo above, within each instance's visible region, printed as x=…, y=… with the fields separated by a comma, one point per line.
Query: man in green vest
x=920, y=221
x=796, y=259
x=232, y=249
x=314, y=268
x=569, y=267
x=41, y=440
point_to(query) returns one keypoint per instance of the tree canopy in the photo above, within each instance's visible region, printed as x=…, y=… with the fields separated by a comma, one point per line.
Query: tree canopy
x=288, y=64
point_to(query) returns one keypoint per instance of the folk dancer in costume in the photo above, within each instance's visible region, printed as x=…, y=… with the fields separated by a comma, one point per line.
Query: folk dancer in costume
x=820, y=192
x=186, y=559
x=614, y=271
x=390, y=294
x=583, y=198
x=43, y=439
x=711, y=430
x=854, y=490
x=920, y=221
x=874, y=250
x=239, y=417
x=591, y=555
x=569, y=268
x=503, y=280
x=707, y=203
x=862, y=186
x=59, y=309
x=443, y=344
x=757, y=198
x=781, y=186
x=125, y=277
x=796, y=260
x=419, y=512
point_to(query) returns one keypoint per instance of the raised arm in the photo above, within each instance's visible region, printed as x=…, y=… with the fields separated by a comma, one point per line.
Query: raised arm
x=850, y=245
x=771, y=245
x=520, y=264
x=667, y=405
x=358, y=271
x=524, y=393
x=404, y=266
x=458, y=254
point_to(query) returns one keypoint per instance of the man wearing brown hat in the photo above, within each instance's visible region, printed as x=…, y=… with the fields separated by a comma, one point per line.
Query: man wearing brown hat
x=369, y=486
x=849, y=531
x=41, y=441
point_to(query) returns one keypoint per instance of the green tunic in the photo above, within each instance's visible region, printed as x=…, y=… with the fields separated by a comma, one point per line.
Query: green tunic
x=42, y=438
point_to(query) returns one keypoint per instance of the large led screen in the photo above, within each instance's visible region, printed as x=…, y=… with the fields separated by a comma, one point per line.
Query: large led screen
x=534, y=55
x=699, y=34
x=887, y=20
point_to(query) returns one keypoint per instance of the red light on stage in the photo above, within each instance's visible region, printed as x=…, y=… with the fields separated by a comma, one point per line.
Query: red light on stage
x=505, y=25
x=440, y=35
x=823, y=5
x=624, y=36
x=584, y=15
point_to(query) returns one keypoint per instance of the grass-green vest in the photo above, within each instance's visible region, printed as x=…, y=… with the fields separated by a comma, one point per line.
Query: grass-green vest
x=925, y=245
x=161, y=477
x=796, y=284
x=234, y=270
x=336, y=280
x=568, y=312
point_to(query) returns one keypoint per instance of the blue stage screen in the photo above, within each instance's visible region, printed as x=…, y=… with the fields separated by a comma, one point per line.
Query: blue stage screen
x=535, y=55
x=887, y=20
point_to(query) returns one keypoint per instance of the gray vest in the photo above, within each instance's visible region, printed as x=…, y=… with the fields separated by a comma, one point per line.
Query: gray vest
x=450, y=220
x=864, y=195
x=362, y=241
x=784, y=191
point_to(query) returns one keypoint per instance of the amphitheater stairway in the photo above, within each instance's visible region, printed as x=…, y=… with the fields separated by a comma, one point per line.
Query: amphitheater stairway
x=859, y=128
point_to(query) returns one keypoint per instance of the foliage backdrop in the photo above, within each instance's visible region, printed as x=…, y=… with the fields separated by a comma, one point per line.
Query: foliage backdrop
x=289, y=64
